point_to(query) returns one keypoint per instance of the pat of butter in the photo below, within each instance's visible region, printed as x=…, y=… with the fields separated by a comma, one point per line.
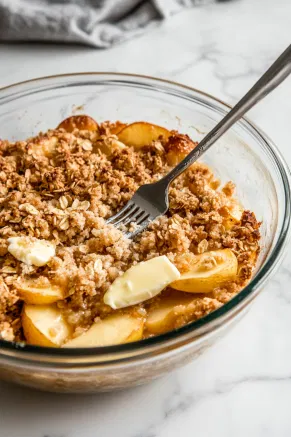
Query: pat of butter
x=141, y=282
x=31, y=251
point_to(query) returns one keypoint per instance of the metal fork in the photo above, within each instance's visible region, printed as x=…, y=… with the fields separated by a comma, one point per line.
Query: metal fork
x=151, y=200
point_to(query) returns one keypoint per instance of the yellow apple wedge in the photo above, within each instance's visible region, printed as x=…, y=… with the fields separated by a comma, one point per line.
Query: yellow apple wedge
x=177, y=147
x=81, y=122
x=43, y=325
x=43, y=147
x=235, y=211
x=36, y=292
x=109, y=147
x=141, y=134
x=117, y=128
x=162, y=318
x=209, y=270
x=114, y=329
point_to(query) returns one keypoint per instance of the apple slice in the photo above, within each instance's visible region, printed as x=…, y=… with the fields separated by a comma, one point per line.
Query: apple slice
x=43, y=146
x=162, y=318
x=81, y=122
x=177, y=147
x=43, y=325
x=114, y=329
x=141, y=134
x=109, y=147
x=141, y=282
x=39, y=291
x=233, y=215
x=209, y=270
x=118, y=126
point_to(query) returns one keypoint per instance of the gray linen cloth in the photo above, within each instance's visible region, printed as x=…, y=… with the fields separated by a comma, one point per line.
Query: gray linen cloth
x=98, y=23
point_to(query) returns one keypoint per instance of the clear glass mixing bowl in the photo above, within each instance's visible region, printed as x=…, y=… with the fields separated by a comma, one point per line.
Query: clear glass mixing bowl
x=244, y=155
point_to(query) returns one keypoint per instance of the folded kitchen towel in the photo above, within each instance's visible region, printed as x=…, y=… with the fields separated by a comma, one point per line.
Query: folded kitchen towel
x=99, y=23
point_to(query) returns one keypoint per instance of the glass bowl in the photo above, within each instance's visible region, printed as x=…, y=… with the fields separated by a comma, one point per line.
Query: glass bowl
x=244, y=155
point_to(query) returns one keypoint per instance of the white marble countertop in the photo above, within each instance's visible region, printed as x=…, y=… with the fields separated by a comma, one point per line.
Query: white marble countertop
x=242, y=386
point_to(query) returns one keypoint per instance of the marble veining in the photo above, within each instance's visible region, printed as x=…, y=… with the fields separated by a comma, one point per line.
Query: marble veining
x=242, y=386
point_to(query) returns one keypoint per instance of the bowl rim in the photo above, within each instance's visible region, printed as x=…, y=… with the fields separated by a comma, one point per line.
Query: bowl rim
x=198, y=326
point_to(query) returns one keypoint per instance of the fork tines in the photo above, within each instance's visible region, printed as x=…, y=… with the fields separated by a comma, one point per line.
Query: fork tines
x=129, y=213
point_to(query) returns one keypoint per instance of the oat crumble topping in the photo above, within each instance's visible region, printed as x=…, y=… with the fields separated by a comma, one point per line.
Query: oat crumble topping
x=62, y=185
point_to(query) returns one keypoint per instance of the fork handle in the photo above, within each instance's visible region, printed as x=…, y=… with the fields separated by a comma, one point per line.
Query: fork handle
x=278, y=72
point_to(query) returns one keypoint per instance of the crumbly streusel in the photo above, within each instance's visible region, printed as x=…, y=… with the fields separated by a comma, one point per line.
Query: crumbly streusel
x=61, y=186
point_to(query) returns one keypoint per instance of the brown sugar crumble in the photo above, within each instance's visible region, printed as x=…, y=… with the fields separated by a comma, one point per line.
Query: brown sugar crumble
x=62, y=185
